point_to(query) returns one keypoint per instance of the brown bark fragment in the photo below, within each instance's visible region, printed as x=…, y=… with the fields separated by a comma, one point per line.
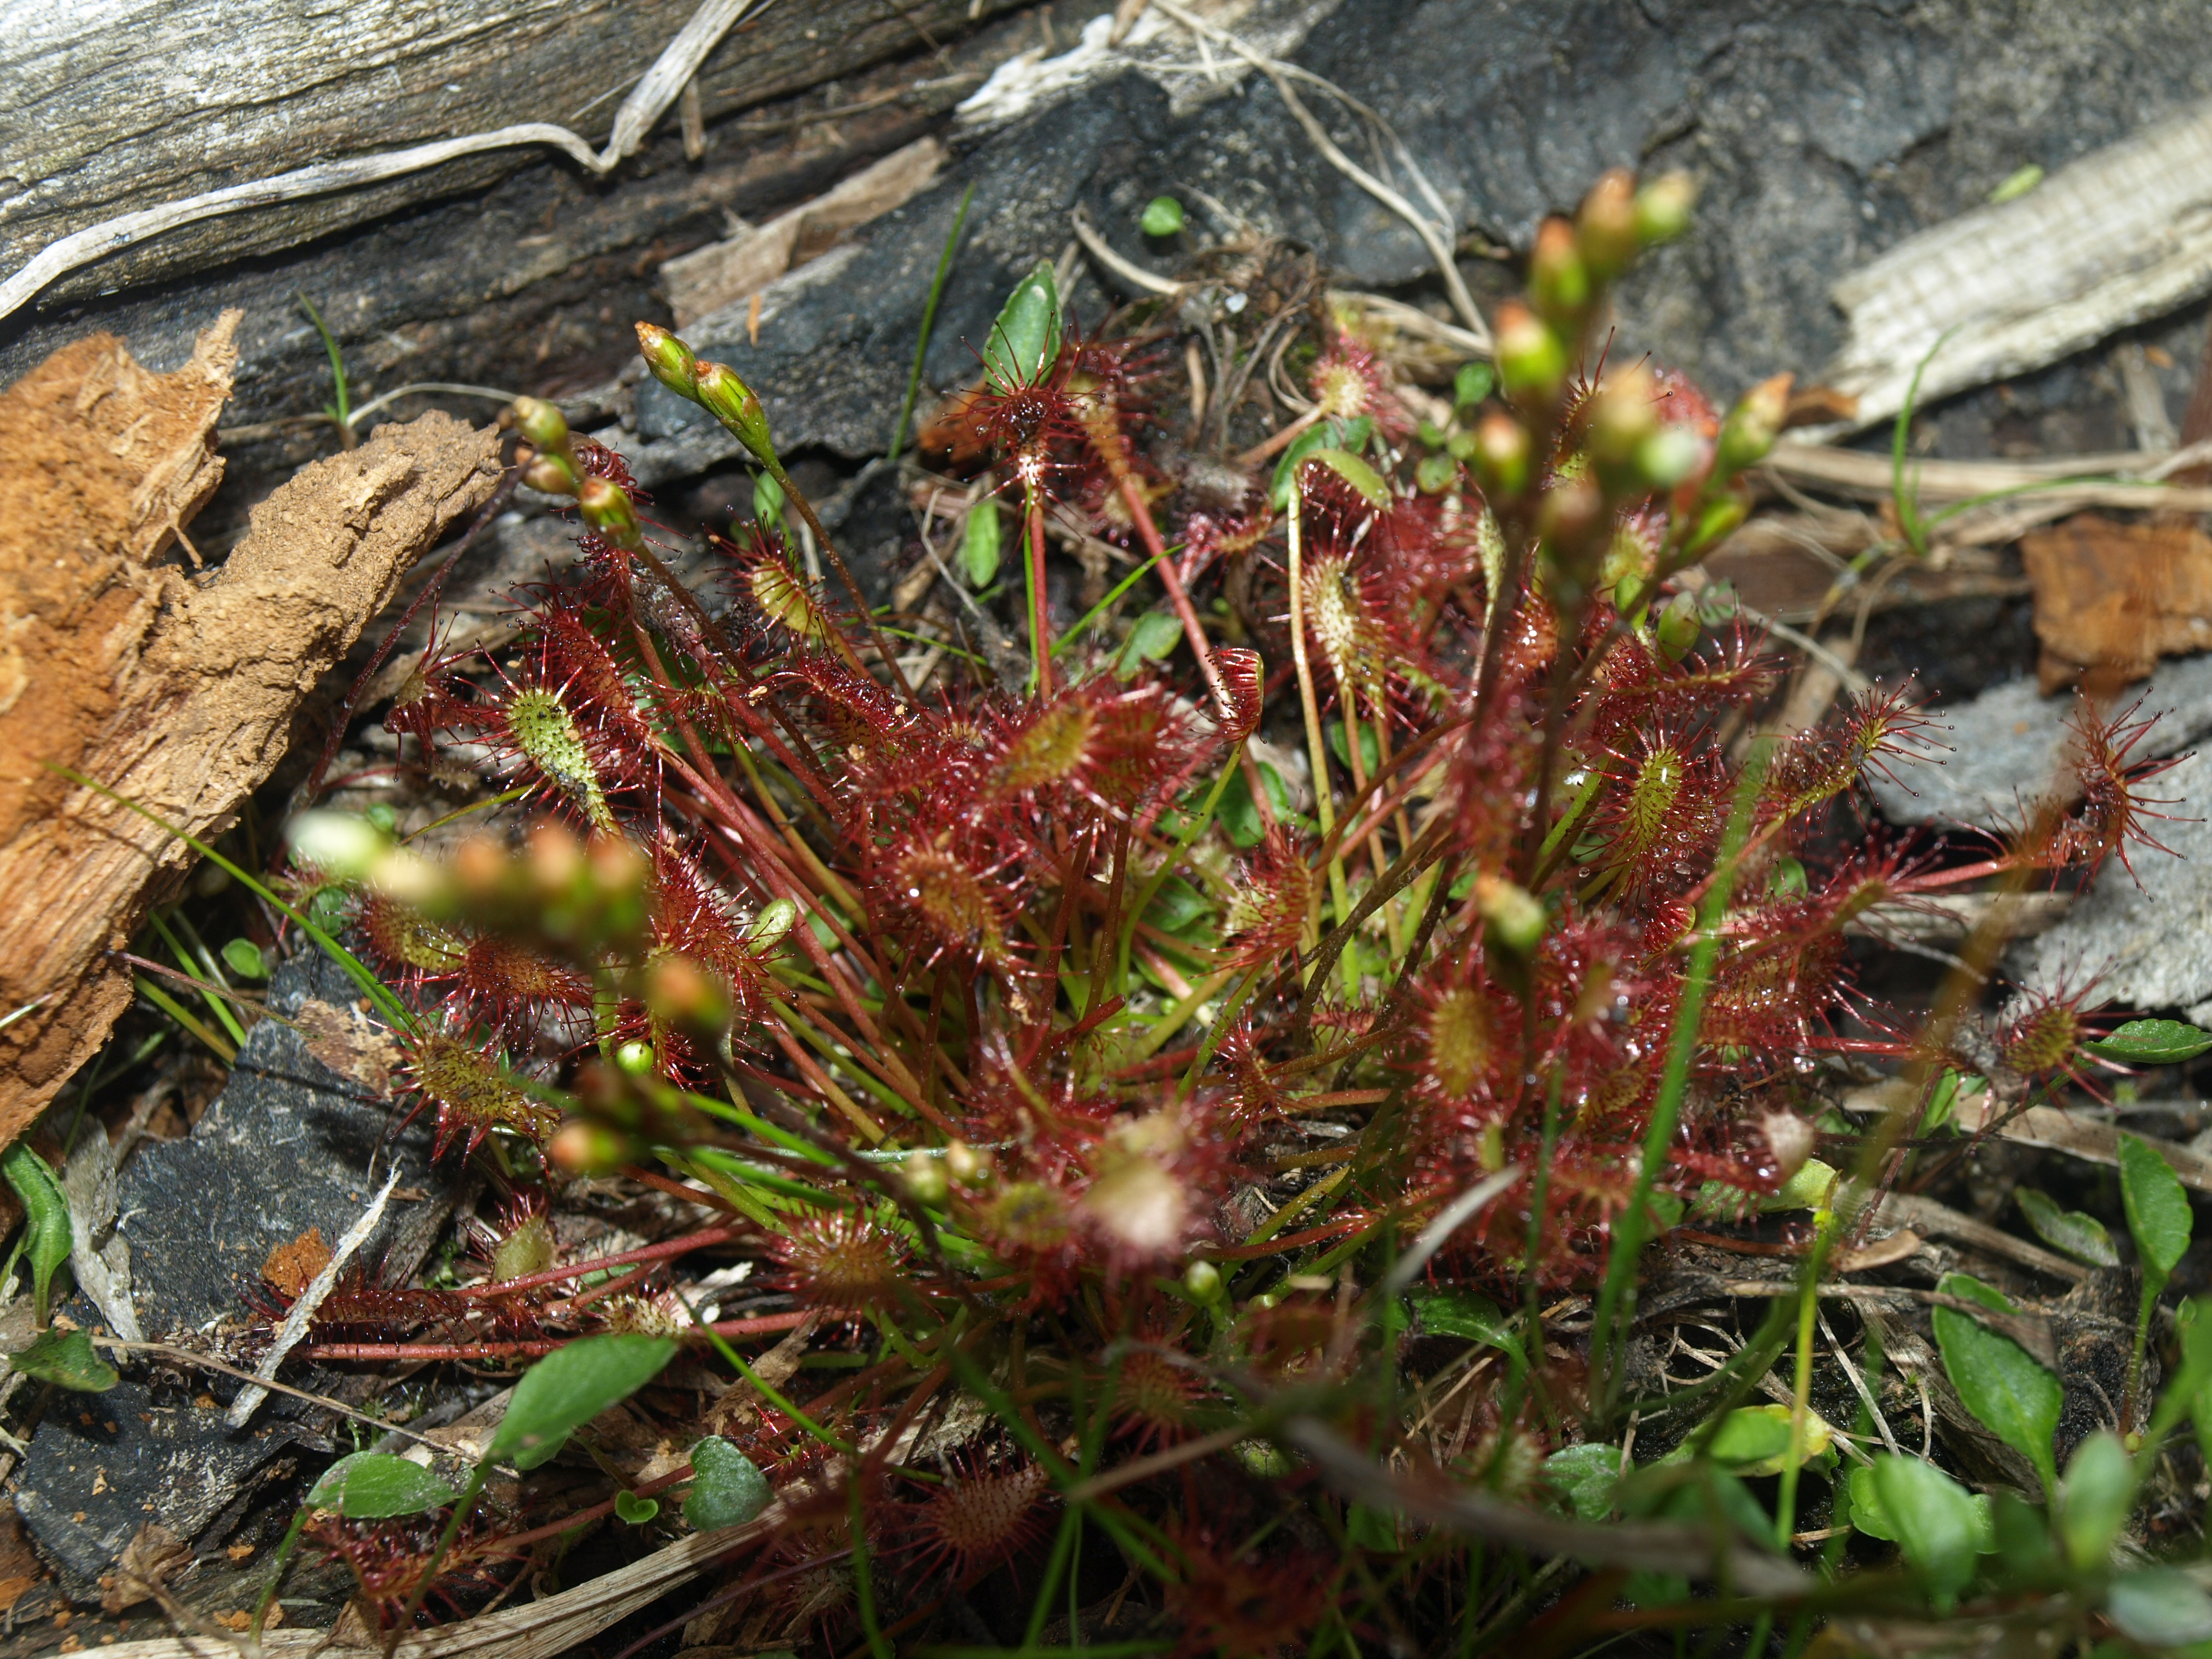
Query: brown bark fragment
x=2111, y=598
x=175, y=692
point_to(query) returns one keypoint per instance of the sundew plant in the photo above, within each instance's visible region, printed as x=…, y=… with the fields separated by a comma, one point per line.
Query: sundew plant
x=1238, y=1060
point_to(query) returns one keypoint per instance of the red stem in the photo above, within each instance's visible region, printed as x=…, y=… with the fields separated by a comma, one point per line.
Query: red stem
x=402, y=1351
x=1040, y=629
x=660, y=1252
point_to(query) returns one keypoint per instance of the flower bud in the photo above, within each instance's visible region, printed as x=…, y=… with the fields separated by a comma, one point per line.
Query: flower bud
x=1202, y=1279
x=669, y=359
x=731, y=401
x=683, y=993
x=1517, y=916
x=1668, y=456
x=581, y=1149
x=1677, y=626
x=550, y=475
x=342, y=845
x=1752, y=426
x=554, y=859
x=1532, y=363
x=606, y=507
x=926, y=1178
x=1717, y=517
x=1623, y=417
x=1500, y=455
x=1572, y=520
x=543, y=423
x=966, y=1165
x=1605, y=228
x=1662, y=209
x=636, y=1057
x=479, y=871
x=771, y=925
x=1559, y=281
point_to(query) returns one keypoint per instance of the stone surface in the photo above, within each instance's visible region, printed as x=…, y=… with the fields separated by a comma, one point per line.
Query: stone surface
x=286, y=1147
x=2146, y=939
x=2004, y=747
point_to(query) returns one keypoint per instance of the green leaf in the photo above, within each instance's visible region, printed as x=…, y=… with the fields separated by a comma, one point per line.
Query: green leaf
x=1356, y=473
x=2081, y=1236
x=65, y=1358
x=1755, y=1439
x=1025, y=340
x=727, y=1490
x=47, y=1217
x=1435, y=473
x=1587, y=1475
x=2016, y=184
x=2151, y=1043
x=2093, y=1504
x=979, y=544
x=1465, y=1315
x=1868, y=1515
x=635, y=1511
x=1239, y=817
x=1807, y=1189
x=2158, y=1209
x=1152, y=637
x=243, y=957
x=2006, y=1389
x=2162, y=1608
x=1932, y=1517
x=1473, y=384
x=1162, y=216
x=1177, y=906
x=570, y=1387
x=768, y=502
x=1370, y=753
x=376, y=1485
x=1316, y=437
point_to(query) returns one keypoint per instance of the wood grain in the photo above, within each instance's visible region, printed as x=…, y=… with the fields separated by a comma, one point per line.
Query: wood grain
x=177, y=693
x=120, y=105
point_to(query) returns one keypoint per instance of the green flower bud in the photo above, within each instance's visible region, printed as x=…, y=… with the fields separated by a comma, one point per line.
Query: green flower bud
x=1501, y=457
x=1517, y=916
x=1677, y=626
x=669, y=359
x=1605, y=228
x=1532, y=363
x=685, y=995
x=1662, y=209
x=1623, y=417
x=966, y=1165
x=1717, y=517
x=554, y=475
x=771, y=925
x=606, y=507
x=636, y=1057
x=1752, y=426
x=581, y=1149
x=543, y=423
x=1203, y=1280
x=1559, y=281
x=1668, y=456
x=926, y=1178
x=1572, y=520
x=731, y=401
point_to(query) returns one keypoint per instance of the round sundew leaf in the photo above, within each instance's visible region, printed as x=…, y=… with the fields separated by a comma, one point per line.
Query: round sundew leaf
x=243, y=957
x=1162, y=216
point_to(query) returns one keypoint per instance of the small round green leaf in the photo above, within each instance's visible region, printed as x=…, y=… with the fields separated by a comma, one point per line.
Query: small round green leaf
x=2151, y=1043
x=376, y=1485
x=1025, y=340
x=2081, y=1236
x=1933, y=1516
x=633, y=1511
x=2093, y=1503
x=1152, y=637
x=2009, y=1391
x=570, y=1387
x=243, y=957
x=1162, y=216
x=1473, y=384
x=979, y=544
x=2158, y=1209
x=65, y=1358
x=1587, y=1474
x=727, y=1489
x=2160, y=1609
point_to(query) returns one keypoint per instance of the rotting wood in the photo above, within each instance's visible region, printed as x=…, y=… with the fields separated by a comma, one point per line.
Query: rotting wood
x=180, y=694
x=123, y=105
x=2121, y=235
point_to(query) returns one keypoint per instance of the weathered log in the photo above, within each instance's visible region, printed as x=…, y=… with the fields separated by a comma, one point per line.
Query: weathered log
x=178, y=694
x=120, y=105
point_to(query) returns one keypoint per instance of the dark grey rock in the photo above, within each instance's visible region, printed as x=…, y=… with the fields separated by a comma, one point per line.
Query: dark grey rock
x=286, y=1147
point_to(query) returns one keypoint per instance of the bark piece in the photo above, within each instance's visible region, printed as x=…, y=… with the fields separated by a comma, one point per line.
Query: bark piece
x=722, y=273
x=2111, y=598
x=178, y=694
